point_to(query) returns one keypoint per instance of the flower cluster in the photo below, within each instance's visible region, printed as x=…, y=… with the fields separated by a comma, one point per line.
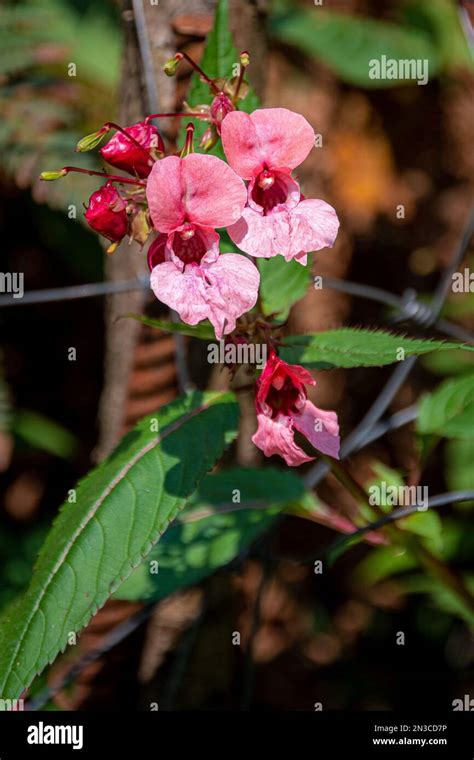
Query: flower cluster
x=176, y=204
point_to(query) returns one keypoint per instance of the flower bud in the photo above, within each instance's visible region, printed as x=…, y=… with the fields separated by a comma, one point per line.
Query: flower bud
x=171, y=66
x=49, y=176
x=244, y=59
x=220, y=107
x=89, y=142
x=127, y=155
x=107, y=213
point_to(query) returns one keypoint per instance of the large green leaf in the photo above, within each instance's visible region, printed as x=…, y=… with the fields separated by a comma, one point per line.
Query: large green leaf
x=449, y=410
x=282, y=284
x=348, y=43
x=196, y=546
x=350, y=347
x=121, y=510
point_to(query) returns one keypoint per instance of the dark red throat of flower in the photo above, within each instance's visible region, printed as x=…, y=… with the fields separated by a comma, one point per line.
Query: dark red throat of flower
x=269, y=190
x=287, y=399
x=189, y=245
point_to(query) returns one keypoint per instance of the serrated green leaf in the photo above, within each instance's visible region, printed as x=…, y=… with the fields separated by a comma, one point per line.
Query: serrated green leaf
x=347, y=43
x=203, y=331
x=449, y=410
x=190, y=551
x=350, y=347
x=282, y=283
x=121, y=510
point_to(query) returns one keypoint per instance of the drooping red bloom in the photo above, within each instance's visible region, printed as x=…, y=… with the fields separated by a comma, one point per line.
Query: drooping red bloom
x=283, y=406
x=125, y=154
x=107, y=213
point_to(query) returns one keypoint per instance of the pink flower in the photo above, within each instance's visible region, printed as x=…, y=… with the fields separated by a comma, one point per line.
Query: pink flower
x=264, y=147
x=188, y=197
x=126, y=155
x=107, y=213
x=283, y=406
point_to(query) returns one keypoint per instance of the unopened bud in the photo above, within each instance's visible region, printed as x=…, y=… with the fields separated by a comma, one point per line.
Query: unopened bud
x=89, y=142
x=171, y=66
x=244, y=59
x=49, y=176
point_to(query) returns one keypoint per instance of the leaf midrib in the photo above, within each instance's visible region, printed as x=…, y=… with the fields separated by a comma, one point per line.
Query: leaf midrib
x=96, y=506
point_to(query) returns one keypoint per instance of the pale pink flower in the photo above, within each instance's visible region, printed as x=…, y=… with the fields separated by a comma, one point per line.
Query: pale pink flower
x=188, y=197
x=283, y=407
x=264, y=147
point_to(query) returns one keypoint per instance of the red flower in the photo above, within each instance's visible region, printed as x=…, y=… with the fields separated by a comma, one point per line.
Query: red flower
x=282, y=406
x=127, y=155
x=107, y=213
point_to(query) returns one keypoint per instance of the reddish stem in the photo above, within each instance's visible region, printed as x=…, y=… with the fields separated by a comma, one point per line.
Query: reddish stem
x=212, y=85
x=176, y=113
x=239, y=84
x=111, y=177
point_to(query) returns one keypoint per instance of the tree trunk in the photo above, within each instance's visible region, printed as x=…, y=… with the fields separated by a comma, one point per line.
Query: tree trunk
x=150, y=40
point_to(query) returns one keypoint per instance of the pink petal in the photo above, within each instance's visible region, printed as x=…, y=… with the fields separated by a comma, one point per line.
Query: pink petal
x=197, y=188
x=320, y=427
x=234, y=280
x=220, y=291
x=184, y=291
x=275, y=436
x=164, y=193
x=310, y=226
x=214, y=195
x=261, y=236
x=313, y=225
x=272, y=137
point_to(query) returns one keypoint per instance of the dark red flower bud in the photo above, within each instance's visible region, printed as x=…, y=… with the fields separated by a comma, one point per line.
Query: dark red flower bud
x=220, y=107
x=107, y=213
x=127, y=155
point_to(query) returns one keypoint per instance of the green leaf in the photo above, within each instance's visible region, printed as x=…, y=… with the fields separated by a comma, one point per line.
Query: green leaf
x=459, y=456
x=441, y=19
x=347, y=43
x=42, y=433
x=189, y=552
x=122, y=508
x=196, y=546
x=218, y=59
x=449, y=410
x=350, y=347
x=442, y=596
x=203, y=331
x=282, y=283
x=452, y=363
